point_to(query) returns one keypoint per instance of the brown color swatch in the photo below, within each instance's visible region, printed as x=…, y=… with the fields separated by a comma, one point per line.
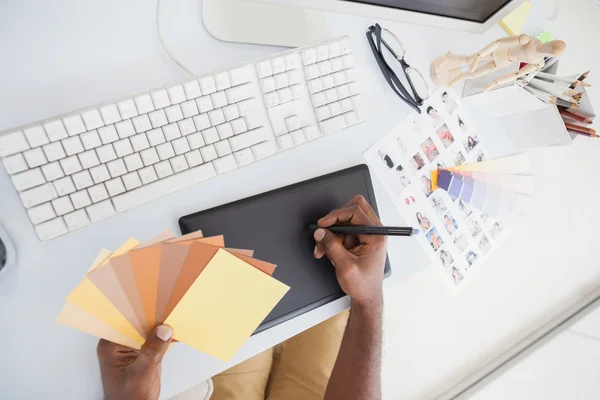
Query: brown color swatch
x=218, y=241
x=263, y=266
x=145, y=265
x=124, y=272
x=247, y=253
x=172, y=257
x=189, y=236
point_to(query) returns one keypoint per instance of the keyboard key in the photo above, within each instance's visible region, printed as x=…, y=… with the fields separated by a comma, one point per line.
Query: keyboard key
x=127, y=109
x=335, y=109
x=133, y=162
x=55, y=131
x=223, y=81
x=110, y=114
x=327, y=82
x=351, y=75
x=244, y=157
x=239, y=93
x=51, y=229
x=248, y=139
x=72, y=145
x=216, y=117
x=88, y=159
x=248, y=107
x=297, y=92
x=139, y=142
x=309, y=56
x=219, y=99
x=285, y=95
x=189, y=109
x=194, y=158
x=149, y=156
x=165, y=151
x=358, y=103
x=239, y=76
x=28, y=179
x=281, y=81
x=70, y=165
x=35, y=157
x=163, y=169
x=64, y=186
x=116, y=168
x=339, y=78
x=38, y=195
x=345, y=46
x=264, y=69
x=196, y=140
x=323, y=113
x=315, y=86
x=293, y=123
x=90, y=140
x=178, y=163
x=348, y=61
x=351, y=118
x=208, y=85
x=155, y=137
x=77, y=219
x=298, y=137
x=125, y=129
x=292, y=61
x=211, y=135
x=239, y=126
x=312, y=72
x=147, y=175
x=294, y=77
x=333, y=125
x=15, y=164
x=144, y=104
x=62, y=205
x=343, y=91
x=263, y=150
x=36, y=136
x=163, y=187
x=176, y=94
x=331, y=96
x=325, y=68
x=171, y=132
x=231, y=112
x=74, y=125
x=108, y=134
x=82, y=180
x=187, y=126
x=222, y=148
x=285, y=141
x=123, y=148
x=131, y=181
x=92, y=119
x=160, y=98
x=181, y=146
x=192, y=89
x=13, y=143
x=202, y=122
x=272, y=100
x=208, y=153
x=106, y=153
x=319, y=99
x=97, y=194
x=311, y=132
x=158, y=118
x=334, y=50
x=337, y=64
x=225, y=131
x=115, y=187
x=174, y=113
x=268, y=85
x=100, y=173
x=142, y=123
x=322, y=53
x=225, y=164
x=101, y=210
x=204, y=104
x=278, y=65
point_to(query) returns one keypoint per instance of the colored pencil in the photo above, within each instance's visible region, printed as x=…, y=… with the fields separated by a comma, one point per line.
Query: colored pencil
x=579, y=128
x=567, y=104
x=575, y=117
x=582, y=133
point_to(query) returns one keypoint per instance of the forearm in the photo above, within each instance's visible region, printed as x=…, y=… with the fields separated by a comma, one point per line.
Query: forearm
x=357, y=370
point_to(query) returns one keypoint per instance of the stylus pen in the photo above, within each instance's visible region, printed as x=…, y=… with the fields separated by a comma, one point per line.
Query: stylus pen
x=369, y=230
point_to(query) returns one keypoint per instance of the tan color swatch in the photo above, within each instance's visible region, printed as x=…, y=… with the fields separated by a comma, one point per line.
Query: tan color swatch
x=247, y=253
x=189, y=236
x=218, y=241
x=103, y=255
x=224, y=306
x=74, y=317
x=145, y=265
x=172, y=257
x=121, y=267
x=162, y=237
x=131, y=243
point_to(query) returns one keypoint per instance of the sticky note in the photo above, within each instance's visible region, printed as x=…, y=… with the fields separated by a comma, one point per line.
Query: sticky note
x=513, y=23
x=224, y=306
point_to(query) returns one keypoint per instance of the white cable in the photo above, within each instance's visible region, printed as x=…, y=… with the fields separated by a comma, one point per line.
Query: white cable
x=162, y=43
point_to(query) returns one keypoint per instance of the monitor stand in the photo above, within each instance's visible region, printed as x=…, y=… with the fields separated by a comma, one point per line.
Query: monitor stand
x=262, y=23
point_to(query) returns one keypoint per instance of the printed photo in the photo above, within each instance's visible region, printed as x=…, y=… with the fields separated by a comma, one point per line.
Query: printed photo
x=445, y=136
x=401, y=145
x=418, y=127
x=471, y=257
x=484, y=244
x=440, y=165
x=457, y=157
x=446, y=258
x=484, y=217
x=455, y=275
x=410, y=200
x=450, y=104
x=398, y=179
x=480, y=156
x=423, y=221
x=387, y=160
x=450, y=224
x=426, y=185
x=436, y=119
x=438, y=204
x=430, y=149
x=417, y=162
x=474, y=227
x=464, y=209
x=461, y=243
x=470, y=143
x=496, y=230
x=462, y=126
x=434, y=238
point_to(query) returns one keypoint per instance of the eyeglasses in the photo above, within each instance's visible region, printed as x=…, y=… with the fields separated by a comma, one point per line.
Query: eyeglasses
x=391, y=52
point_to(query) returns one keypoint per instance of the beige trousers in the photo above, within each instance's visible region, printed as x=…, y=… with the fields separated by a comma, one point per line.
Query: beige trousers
x=297, y=369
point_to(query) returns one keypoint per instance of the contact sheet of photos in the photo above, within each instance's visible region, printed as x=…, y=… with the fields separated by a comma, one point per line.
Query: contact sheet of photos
x=454, y=235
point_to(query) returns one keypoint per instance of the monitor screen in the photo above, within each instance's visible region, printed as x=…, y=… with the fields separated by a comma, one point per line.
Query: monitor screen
x=468, y=10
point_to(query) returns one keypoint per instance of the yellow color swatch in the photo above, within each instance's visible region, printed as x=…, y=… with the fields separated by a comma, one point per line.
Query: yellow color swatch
x=517, y=164
x=224, y=306
x=513, y=23
x=128, y=245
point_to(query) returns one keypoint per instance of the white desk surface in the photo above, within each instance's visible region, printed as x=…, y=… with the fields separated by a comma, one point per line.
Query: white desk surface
x=64, y=55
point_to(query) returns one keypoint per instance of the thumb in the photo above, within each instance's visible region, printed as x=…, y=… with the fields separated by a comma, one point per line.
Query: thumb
x=156, y=345
x=332, y=246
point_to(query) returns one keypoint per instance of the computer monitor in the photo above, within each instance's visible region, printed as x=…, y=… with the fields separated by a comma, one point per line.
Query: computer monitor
x=300, y=22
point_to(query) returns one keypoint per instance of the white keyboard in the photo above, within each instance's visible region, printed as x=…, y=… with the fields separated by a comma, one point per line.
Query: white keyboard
x=85, y=166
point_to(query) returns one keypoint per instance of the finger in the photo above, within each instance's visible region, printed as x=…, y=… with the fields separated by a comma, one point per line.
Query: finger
x=109, y=350
x=366, y=207
x=156, y=345
x=331, y=245
x=353, y=215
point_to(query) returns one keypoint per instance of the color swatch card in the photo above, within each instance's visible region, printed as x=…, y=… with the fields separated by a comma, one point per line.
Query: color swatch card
x=456, y=236
x=214, y=298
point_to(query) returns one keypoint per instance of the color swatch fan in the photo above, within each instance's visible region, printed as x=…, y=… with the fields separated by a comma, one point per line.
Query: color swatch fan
x=214, y=298
x=500, y=188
